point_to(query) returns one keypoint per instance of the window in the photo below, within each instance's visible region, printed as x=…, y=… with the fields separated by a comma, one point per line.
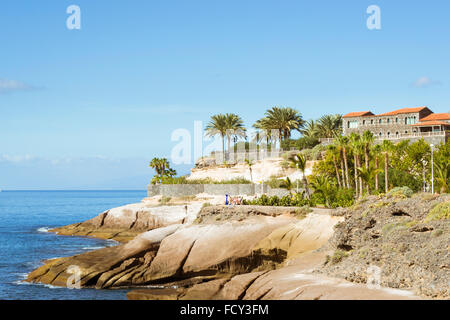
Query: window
x=397, y=134
x=396, y=120
x=371, y=121
x=410, y=120
x=388, y=134
x=353, y=124
x=381, y=134
x=380, y=121
x=388, y=120
x=364, y=122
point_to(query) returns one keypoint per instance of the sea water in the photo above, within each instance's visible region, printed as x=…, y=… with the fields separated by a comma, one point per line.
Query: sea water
x=26, y=217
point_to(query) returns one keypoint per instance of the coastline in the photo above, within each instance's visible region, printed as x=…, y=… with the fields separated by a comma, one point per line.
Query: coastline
x=271, y=243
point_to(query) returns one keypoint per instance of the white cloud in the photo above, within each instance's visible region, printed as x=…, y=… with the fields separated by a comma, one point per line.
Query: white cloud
x=424, y=82
x=15, y=158
x=8, y=86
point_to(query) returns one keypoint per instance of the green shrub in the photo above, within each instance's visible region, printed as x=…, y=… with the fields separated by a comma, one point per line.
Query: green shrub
x=402, y=192
x=184, y=180
x=440, y=212
x=165, y=200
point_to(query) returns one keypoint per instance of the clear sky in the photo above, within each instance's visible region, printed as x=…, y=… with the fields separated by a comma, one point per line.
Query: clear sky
x=89, y=108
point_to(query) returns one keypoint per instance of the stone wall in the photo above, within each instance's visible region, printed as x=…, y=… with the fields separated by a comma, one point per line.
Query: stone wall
x=180, y=190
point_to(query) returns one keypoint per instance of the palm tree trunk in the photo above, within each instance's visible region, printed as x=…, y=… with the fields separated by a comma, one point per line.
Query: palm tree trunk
x=305, y=182
x=386, y=165
x=342, y=170
x=355, y=160
x=337, y=171
x=376, y=176
x=346, y=168
x=360, y=178
x=223, y=149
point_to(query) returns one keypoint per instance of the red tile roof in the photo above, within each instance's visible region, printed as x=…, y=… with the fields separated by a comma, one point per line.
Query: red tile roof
x=437, y=116
x=403, y=111
x=431, y=123
x=358, y=114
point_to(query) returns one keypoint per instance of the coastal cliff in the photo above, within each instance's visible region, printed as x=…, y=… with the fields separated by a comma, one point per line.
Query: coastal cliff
x=255, y=252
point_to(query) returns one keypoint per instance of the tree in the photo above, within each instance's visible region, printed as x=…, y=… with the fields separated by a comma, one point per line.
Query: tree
x=357, y=149
x=299, y=161
x=367, y=140
x=218, y=126
x=343, y=144
x=386, y=147
x=234, y=127
x=309, y=129
x=284, y=120
x=332, y=152
x=368, y=174
x=287, y=184
x=324, y=186
x=162, y=169
x=328, y=126
x=376, y=151
x=250, y=164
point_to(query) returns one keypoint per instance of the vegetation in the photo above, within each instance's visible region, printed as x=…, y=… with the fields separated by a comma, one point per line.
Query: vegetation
x=439, y=212
x=163, y=170
x=184, y=180
x=356, y=163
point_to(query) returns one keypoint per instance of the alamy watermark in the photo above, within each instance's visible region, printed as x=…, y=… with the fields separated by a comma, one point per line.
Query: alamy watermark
x=73, y=22
x=74, y=281
x=374, y=20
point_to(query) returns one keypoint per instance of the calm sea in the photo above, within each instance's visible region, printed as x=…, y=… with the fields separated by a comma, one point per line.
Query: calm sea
x=25, y=216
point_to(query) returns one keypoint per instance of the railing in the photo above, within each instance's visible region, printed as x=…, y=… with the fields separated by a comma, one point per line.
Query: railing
x=400, y=136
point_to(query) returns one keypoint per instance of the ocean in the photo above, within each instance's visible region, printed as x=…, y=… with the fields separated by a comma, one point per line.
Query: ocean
x=26, y=216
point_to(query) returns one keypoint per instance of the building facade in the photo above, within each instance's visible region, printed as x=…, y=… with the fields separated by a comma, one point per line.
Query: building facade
x=401, y=124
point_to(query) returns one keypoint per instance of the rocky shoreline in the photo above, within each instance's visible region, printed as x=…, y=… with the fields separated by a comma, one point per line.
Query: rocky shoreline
x=193, y=251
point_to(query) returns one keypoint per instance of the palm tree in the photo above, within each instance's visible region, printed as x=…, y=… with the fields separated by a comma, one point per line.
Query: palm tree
x=218, y=126
x=367, y=139
x=343, y=144
x=284, y=120
x=309, y=129
x=263, y=130
x=299, y=161
x=376, y=151
x=323, y=185
x=162, y=168
x=386, y=147
x=357, y=147
x=332, y=151
x=250, y=164
x=443, y=174
x=234, y=127
x=329, y=125
x=368, y=174
x=287, y=184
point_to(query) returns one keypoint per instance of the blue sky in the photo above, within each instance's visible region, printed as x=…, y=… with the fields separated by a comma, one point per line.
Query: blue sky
x=89, y=108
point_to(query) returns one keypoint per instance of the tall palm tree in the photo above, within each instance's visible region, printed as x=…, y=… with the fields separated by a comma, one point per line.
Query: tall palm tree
x=218, y=126
x=332, y=151
x=284, y=120
x=264, y=130
x=299, y=161
x=377, y=151
x=386, y=147
x=367, y=140
x=355, y=142
x=329, y=125
x=234, y=127
x=343, y=144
